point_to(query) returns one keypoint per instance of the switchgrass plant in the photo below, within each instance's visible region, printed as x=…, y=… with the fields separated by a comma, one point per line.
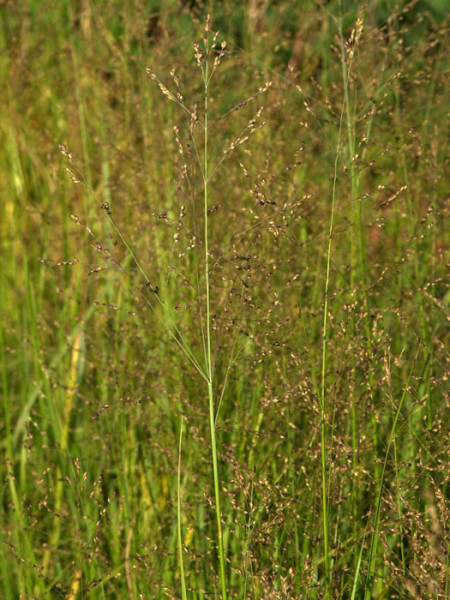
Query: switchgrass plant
x=224, y=305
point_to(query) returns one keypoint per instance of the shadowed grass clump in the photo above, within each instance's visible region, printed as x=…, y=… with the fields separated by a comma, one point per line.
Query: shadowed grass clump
x=224, y=306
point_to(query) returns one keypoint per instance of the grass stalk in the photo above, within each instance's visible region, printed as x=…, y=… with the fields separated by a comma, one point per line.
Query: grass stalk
x=322, y=396
x=209, y=364
x=179, y=533
x=323, y=430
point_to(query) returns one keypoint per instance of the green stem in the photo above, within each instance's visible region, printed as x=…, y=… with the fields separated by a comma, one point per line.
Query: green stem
x=209, y=368
x=322, y=398
x=180, y=539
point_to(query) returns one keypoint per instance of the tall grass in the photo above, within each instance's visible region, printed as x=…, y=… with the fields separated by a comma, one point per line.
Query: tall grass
x=223, y=298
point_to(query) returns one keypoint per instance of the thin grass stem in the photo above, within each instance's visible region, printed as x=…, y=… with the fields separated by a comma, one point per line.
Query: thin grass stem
x=212, y=419
x=179, y=533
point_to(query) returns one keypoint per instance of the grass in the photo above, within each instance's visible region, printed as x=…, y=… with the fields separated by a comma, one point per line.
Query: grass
x=224, y=305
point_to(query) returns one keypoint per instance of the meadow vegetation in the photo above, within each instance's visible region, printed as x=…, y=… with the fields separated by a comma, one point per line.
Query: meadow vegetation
x=224, y=306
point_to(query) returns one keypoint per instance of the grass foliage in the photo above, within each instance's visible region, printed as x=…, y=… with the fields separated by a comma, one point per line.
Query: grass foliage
x=224, y=312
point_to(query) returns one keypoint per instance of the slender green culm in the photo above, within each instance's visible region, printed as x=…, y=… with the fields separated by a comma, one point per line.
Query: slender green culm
x=209, y=369
x=323, y=428
x=322, y=397
x=179, y=521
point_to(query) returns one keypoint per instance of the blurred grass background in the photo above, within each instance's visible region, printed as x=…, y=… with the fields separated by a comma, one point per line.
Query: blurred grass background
x=93, y=388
